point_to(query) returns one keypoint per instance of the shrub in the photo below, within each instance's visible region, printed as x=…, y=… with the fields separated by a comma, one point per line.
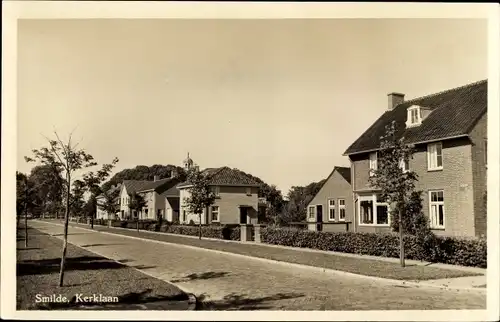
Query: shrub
x=430, y=248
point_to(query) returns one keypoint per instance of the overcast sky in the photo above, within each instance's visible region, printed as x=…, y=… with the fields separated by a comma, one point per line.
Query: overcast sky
x=280, y=99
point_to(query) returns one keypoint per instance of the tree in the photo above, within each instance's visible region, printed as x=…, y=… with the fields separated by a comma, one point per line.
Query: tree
x=396, y=184
x=69, y=158
x=92, y=181
x=111, y=205
x=77, y=201
x=90, y=207
x=137, y=203
x=48, y=184
x=201, y=195
x=26, y=201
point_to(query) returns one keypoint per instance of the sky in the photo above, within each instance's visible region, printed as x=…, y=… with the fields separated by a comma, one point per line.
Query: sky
x=281, y=99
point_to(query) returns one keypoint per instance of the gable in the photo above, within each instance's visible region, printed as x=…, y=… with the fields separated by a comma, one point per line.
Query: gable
x=335, y=186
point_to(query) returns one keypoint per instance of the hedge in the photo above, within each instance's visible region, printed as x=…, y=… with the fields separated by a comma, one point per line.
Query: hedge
x=228, y=232
x=448, y=250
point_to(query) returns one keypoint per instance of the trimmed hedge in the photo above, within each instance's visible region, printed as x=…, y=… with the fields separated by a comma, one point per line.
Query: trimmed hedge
x=448, y=250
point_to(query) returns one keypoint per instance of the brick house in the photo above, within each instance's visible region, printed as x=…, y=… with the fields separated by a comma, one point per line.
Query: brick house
x=236, y=198
x=331, y=209
x=449, y=131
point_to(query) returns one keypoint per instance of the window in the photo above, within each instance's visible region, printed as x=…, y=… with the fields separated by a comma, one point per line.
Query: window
x=414, y=116
x=331, y=209
x=435, y=156
x=342, y=209
x=184, y=217
x=215, y=213
x=373, y=211
x=436, y=205
x=311, y=212
x=249, y=191
x=373, y=162
x=404, y=165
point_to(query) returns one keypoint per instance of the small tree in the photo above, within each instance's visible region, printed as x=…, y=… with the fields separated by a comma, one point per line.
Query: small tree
x=69, y=158
x=395, y=183
x=201, y=195
x=111, y=205
x=137, y=202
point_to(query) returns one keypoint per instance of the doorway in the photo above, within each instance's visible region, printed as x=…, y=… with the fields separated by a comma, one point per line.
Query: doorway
x=319, y=217
x=243, y=215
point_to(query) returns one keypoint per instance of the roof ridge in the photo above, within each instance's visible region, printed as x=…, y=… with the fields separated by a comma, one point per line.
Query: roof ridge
x=443, y=92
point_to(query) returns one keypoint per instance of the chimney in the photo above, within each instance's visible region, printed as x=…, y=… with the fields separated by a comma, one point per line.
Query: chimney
x=394, y=100
x=156, y=178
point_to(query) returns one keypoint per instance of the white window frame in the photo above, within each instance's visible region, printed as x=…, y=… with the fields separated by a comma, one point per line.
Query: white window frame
x=414, y=111
x=373, y=163
x=330, y=208
x=402, y=165
x=341, y=207
x=212, y=213
x=373, y=199
x=433, y=217
x=432, y=156
x=248, y=191
x=311, y=214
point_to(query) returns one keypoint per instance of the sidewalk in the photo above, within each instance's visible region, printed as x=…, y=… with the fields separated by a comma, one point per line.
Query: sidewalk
x=388, y=269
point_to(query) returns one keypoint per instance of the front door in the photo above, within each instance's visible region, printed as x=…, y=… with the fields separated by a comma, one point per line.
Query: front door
x=319, y=218
x=243, y=215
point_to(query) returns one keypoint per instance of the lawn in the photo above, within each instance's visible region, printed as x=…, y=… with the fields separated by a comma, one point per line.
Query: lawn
x=355, y=265
x=86, y=274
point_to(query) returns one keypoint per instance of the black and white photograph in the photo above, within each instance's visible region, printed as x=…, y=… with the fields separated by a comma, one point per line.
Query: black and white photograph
x=268, y=162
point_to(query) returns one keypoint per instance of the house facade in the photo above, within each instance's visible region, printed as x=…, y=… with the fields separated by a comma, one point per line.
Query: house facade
x=152, y=192
x=331, y=209
x=449, y=133
x=236, y=199
x=100, y=200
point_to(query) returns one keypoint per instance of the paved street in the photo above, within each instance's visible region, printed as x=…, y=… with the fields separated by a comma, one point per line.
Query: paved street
x=228, y=282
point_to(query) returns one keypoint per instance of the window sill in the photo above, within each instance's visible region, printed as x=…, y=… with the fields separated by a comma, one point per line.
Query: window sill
x=374, y=225
x=434, y=169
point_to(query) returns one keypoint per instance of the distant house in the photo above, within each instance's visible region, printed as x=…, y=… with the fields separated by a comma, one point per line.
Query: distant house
x=331, y=209
x=172, y=204
x=236, y=198
x=151, y=191
x=449, y=131
x=100, y=213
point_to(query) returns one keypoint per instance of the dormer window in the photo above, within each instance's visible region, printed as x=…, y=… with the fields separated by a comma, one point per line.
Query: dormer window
x=414, y=116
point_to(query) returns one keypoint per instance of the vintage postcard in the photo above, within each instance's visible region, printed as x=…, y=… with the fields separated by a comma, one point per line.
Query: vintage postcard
x=250, y=161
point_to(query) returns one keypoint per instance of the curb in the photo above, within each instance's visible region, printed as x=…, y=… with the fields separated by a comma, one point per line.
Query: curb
x=302, y=266
x=192, y=301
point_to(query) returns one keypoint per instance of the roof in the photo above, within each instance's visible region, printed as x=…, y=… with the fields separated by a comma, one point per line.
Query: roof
x=225, y=176
x=454, y=112
x=174, y=202
x=171, y=192
x=159, y=186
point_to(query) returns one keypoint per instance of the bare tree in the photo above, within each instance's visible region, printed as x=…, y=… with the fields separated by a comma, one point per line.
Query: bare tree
x=70, y=158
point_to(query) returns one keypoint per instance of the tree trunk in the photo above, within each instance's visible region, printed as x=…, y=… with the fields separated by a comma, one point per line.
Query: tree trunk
x=401, y=242
x=199, y=227
x=65, y=243
x=26, y=219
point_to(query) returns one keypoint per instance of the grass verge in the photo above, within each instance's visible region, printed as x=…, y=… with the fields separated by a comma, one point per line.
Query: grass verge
x=86, y=275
